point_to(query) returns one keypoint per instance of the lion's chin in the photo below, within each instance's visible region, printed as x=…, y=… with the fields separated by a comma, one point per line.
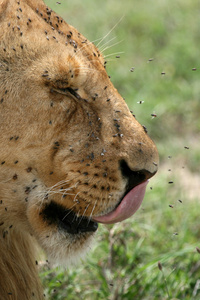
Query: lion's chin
x=65, y=249
x=65, y=237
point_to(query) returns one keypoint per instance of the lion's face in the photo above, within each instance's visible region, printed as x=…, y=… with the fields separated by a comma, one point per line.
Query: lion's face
x=71, y=152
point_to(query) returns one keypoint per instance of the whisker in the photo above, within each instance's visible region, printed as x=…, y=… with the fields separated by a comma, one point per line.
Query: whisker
x=76, y=216
x=59, y=193
x=110, y=31
x=100, y=48
x=112, y=45
x=84, y=213
x=52, y=191
x=70, y=209
x=85, y=45
x=75, y=198
x=90, y=217
x=66, y=192
x=116, y=53
x=110, y=60
x=57, y=184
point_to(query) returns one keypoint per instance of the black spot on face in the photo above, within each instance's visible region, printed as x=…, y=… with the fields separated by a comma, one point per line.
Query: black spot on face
x=29, y=169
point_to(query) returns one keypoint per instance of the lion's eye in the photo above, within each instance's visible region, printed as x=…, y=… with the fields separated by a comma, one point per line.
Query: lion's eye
x=67, y=91
x=73, y=92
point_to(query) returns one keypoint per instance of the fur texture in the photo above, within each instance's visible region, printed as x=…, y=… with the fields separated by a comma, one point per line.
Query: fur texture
x=65, y=132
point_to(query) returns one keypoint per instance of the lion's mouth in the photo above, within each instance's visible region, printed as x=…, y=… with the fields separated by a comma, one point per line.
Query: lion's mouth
x=67, y=220
x=126, y=207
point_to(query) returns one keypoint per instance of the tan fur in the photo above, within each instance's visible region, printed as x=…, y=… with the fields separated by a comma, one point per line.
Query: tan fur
x=57, y=145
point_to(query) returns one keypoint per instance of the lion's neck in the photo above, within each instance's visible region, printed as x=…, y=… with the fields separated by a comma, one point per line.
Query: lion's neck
x=18, y=272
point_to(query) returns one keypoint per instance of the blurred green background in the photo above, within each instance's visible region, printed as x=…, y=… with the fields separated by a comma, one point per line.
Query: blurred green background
x=157, y=73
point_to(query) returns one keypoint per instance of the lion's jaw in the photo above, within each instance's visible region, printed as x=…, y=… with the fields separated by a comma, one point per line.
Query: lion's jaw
x=70, y=148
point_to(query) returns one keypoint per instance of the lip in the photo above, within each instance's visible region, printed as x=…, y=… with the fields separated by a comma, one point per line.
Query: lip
x=127, y=207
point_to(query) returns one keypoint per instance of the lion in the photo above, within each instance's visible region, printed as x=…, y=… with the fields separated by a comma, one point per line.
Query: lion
x=71, y=153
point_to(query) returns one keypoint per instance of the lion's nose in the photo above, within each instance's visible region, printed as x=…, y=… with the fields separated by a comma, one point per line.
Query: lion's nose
x=133, y=177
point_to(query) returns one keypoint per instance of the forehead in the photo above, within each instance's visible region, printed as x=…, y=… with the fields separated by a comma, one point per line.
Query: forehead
x=34, y=23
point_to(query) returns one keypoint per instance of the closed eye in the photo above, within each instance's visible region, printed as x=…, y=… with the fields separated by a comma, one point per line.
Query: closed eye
x=73, y=92
x=67, y=91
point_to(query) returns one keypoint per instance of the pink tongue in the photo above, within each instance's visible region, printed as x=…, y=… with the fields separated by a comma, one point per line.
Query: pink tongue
x=127, y=207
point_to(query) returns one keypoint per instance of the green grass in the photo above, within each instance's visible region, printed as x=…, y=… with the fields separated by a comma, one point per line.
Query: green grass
x=124, y=261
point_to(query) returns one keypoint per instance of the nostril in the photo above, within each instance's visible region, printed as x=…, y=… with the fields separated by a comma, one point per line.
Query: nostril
x=134, y=177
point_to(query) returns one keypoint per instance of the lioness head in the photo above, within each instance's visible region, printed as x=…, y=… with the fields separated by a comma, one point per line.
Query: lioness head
x=71, y=153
